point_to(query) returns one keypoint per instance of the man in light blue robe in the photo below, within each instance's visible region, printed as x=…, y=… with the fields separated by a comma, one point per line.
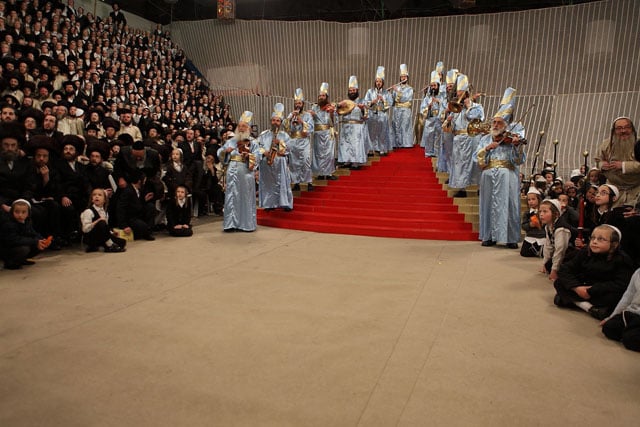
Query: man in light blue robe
x=240, y=156
x=500, y=161
x=353, y=133
x=379, y=100
x=323, y=160
x=464, y=169
x=432, y=109
x=446, y=144
x=274, y=190
x=299, y=126
x=402, y=120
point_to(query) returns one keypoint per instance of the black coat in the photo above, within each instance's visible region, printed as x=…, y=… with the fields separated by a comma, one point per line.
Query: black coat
x=14, y=182
x=129, y=205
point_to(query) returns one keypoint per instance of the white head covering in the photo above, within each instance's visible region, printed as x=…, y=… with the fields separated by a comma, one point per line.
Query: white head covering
x=615, y=230
x=298, y=95
x=278, y=111
x=462, y=82
x=404, y=71
x=380, y=72
x=554, y=202
x=353, y=82
x=324, y=88
x=246, y=117
x=534, y=190
x=435, y=77
x=614, y=190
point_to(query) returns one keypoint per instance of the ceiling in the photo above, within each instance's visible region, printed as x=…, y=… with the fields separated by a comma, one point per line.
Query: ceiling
x=163, y=11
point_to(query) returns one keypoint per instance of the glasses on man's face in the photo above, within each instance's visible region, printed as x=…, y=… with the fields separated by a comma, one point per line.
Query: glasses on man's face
x=623, y=127
x=600, y=239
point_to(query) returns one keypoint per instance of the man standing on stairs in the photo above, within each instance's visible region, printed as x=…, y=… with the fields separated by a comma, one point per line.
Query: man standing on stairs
x=464, y=170
x=401, y=123
x=353, y=133
x=500, y=153
x=431, y=109
x=378, y=100
x=299, y=126
x=323, y=161
x=275, y=179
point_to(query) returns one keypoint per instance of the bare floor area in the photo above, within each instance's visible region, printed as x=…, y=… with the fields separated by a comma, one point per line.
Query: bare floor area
x=288, y=328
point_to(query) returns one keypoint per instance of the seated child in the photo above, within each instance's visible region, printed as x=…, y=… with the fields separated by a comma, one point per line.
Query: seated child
x=558, y=237
x=19, y=241
x=624, y=323
x=179, y=214
x=597, y=276
x=95, y=225
x=534, y=238
x=602, y=212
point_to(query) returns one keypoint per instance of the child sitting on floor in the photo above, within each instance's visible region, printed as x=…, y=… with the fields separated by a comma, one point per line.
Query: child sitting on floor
x=534, y=238
x=624, y=323
x=19, y=241
x=597, y=276
x=558, y=237
x=95, y=225
x=179, y=214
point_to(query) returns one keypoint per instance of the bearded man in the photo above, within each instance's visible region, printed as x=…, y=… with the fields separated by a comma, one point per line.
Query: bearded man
x=353, y=134
x=401, y=123
x=378, y=100
x=275, y=179
x=618, y=163
x=324, y=142
x=299, y=125
x=499, y=183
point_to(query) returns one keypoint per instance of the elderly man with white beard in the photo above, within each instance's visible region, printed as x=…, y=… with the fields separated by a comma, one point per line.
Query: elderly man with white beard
x=500, y=155
x=618, y=163
x=240, y=155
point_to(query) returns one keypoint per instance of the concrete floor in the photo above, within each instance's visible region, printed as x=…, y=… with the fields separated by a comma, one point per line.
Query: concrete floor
x=288, y=328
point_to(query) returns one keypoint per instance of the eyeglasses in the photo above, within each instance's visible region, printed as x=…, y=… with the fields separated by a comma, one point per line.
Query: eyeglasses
x=600, y=239
x=603, y=193
x=623, y=127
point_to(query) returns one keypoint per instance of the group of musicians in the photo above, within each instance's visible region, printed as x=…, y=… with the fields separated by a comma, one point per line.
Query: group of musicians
x=304, y=144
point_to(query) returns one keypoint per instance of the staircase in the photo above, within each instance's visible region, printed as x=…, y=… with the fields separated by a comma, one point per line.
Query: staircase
x=399, y=195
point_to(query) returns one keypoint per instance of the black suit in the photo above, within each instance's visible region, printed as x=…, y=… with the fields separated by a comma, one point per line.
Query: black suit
x=133, y=211
x=14, y=182
x=125, y=165
x=75, y=186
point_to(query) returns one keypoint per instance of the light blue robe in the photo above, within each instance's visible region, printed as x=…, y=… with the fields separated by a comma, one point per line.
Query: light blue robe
x=240, y=193
x=378, y=122
x=402, y=120
x=323, y=160
x=300, y=148
x=464, y=169
x=500, y=192
x=275, y=179
x=353, y=137
x=432, y=133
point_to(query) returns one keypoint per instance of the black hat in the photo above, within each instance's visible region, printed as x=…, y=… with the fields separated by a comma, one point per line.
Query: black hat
x=74, y=140
x=8, y=60
x=48, y=85
x=92, y=126
x=157, y=126
x=48, y=104
x=10, y=99
x=127, y=139
x=29, y=84
x=138, y=145
x=124, y=110
x=34, y=113
x=110, y=122
x=94, y=144
x=37, y=142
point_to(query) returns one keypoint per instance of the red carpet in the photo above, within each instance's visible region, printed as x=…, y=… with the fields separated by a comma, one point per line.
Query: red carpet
x=399, y=196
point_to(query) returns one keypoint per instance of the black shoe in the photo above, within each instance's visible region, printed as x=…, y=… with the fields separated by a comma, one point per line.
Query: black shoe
x=12, y=266
x=91, y=249
x=355, y=167
x=269, y=209
x=287, y=209
x=488, y=243
x=558, y=302
x=28, y=262
x=512, y=246
x=599, y=313
x=309, y=187
x=461, y=193
x=149, y=237
x=115, y=248
x=296, y=187
x=332, y=178
x=446, y=182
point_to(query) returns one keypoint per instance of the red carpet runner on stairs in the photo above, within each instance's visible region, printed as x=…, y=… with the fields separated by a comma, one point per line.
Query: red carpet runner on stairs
x=399, y=196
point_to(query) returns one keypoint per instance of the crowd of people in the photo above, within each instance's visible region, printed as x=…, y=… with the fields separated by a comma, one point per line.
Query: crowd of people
x=108, y=134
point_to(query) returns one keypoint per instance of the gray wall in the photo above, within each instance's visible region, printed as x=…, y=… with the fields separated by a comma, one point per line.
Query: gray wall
x=578, y=64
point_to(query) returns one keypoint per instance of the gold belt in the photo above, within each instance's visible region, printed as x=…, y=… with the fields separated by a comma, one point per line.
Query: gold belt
x=321, y=127
x=500, y=164
x=352, y=122
x=403, y=105
x=297, y=134
x=460, y=132
x=236, y=158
